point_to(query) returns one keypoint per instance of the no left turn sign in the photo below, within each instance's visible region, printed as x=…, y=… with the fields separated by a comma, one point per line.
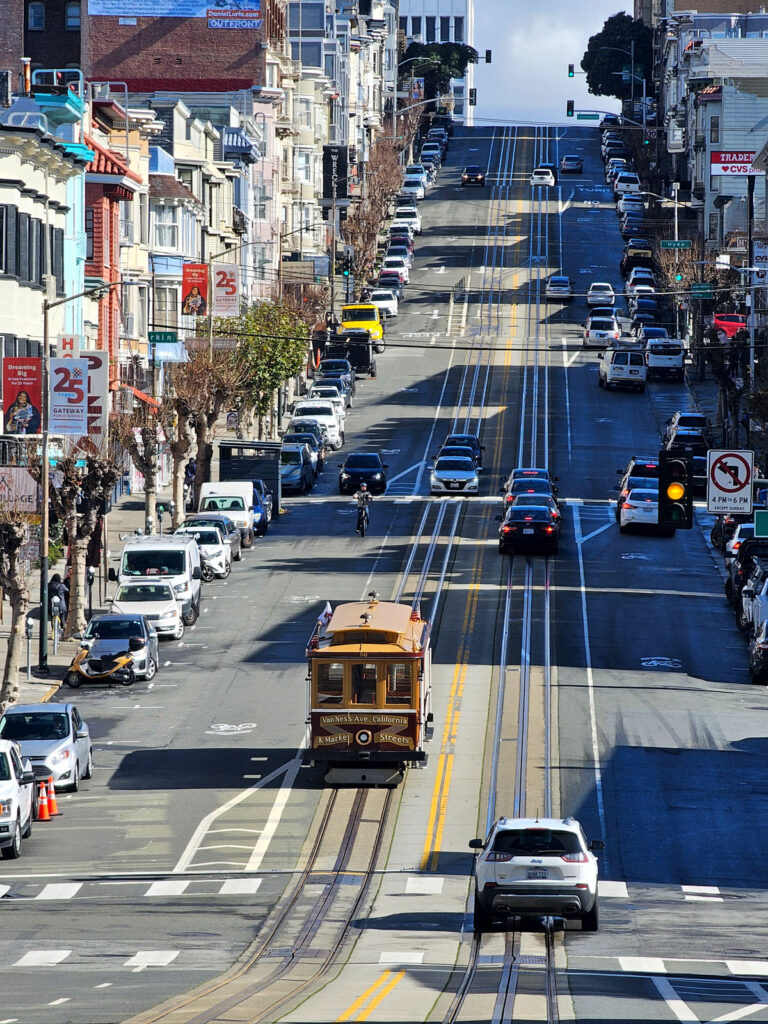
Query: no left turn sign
x=729, y=481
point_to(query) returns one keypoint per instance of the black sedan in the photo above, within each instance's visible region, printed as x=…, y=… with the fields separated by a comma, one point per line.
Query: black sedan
x=473, y=175
x=529, y=528
x=469, y=441
x=363, y=468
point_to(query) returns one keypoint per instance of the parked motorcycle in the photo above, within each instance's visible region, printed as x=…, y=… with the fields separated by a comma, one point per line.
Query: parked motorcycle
x=115, y=668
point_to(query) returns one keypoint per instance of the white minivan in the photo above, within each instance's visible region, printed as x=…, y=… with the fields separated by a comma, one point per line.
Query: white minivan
x=622, y=368
x=325, y=414
x=173, y=559
x=233, y=498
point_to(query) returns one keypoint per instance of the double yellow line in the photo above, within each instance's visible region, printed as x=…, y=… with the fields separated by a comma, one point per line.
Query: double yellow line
x=379, y=990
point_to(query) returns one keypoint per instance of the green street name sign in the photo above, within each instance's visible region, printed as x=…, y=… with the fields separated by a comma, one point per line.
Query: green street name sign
x=761, y=524
x=163, y=337
x=587, y=117
x=676, y=243
x=701, y=290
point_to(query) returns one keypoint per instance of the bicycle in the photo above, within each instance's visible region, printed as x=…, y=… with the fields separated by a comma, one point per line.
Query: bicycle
x=363, y=518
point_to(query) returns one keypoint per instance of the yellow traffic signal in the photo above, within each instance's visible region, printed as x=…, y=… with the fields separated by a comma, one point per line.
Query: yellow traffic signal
x=675, y=491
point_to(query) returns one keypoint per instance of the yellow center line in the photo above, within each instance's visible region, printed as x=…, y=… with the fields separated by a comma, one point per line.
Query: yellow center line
x=381, y=995
x=358, y=1003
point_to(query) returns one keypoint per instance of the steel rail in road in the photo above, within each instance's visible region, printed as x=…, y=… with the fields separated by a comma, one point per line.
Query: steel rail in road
x=300, y=918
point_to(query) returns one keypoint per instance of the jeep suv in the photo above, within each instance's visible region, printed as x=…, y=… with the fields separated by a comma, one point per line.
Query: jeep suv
x=536, y=867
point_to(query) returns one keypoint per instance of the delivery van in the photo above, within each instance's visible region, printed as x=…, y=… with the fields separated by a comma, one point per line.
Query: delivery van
x=234, y=498
x=174, y=559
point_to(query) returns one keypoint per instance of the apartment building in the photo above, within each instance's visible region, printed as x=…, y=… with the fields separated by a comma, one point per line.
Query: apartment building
x=444, y=21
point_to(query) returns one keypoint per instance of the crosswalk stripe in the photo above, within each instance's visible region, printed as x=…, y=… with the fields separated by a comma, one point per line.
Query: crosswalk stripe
x=144, y=958
x=170, y=887
x=59, y=891
x=612, y=889
x=43, y=958
x=239, y=886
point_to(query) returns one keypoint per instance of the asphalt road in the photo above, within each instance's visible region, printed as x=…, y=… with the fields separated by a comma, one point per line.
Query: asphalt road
x=165, y=865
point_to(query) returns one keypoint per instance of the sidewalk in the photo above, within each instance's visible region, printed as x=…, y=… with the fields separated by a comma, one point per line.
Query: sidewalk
x=127, y=515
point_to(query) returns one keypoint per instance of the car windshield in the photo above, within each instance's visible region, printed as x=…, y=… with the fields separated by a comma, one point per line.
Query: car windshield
x=358, y=314
x=205, y=536
x=316, y=410
x=141, y=592
x=334, y=364
x=324, y=392
x=158, y=562
x=290, y=458
x=463, y=439
x=363, y=462
x=45, y=725
x=113, y=629
x=382, y=296
x=529, y=514
x=393, y=261
x=308, y=439
x=536, y=842
x=222, y=504
x=473, y=169
x=559, y=281
x=453, y=465
x=601, y=288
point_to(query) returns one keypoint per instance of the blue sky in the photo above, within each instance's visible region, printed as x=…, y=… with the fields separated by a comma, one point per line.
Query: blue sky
x=533, y=43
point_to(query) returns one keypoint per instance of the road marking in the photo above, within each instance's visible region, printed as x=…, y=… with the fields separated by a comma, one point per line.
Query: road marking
x=361, y=1000
x=240, y=886
x=613, y=890
x=43, y=958
x=144, y=958
x=424, y=886
x=704, y=893
x=60, y=1000
x=59, y=891
x=642, y=964
x=759, y=967
x=403, y=956
x=380, y=996
x=270, y=826
x=171, y=887
x=680, y=1009
x=743, y=1011
x=104, y=984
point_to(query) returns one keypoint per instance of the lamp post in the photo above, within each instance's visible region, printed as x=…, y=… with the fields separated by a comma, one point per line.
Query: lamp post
x=676, y=201
x=631, y=54
x=45, y=476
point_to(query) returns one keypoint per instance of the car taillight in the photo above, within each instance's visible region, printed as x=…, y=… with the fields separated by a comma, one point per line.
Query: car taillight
x=586, y=334
x=549, y=529
x=506, y=529
x=496, y=856
x=627, y=504
x=736, y=545
x=575, y=858
x=616, y=335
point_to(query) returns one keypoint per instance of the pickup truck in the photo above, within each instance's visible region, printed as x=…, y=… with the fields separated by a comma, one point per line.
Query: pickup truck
x=17, y=799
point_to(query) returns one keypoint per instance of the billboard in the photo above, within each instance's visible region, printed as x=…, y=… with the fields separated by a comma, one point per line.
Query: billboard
x=68, y=407
x=220, y=13
x=194, y=289
x=22, y=395
x=734, y=163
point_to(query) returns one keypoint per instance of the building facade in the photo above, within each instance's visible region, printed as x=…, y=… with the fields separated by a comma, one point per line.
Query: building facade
x=443, y=21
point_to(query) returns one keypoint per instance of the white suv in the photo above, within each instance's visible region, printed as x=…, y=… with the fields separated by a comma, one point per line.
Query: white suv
x=17, y=783
x=536, y=867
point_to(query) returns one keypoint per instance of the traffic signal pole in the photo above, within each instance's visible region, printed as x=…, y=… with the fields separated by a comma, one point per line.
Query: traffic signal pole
x=334, y=183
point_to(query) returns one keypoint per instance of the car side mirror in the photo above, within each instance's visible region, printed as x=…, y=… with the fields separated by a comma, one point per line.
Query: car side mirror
x=597, y=844
x=112, y=576
x=196, y=573
x=81, y=734
x=502, y=490
x=135, y=643
x=476, y=844
x=27, y=777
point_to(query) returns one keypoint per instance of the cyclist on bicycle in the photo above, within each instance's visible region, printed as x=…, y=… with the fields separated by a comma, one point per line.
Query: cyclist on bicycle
x=363, y=497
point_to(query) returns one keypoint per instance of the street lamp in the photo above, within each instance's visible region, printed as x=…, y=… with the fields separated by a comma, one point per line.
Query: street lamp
x=48, y=304
x=631, y=54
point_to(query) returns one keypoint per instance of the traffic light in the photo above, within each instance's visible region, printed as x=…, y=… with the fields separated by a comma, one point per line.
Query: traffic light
x=571, y=72
x=346, y=266
x=569, y=108
x=675, y=490
x=473, y=97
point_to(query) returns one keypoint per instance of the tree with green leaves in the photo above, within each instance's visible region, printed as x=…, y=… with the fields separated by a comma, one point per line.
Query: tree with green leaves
x=603, y=61
x=442, y=62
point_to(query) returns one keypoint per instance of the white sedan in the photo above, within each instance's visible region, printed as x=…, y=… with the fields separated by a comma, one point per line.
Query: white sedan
x=451, y=475
x=385, y=301
x=600, y=294
x=154, y=600
x=639, y=508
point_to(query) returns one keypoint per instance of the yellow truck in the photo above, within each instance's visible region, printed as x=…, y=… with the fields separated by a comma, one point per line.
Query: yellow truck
x=363, y=316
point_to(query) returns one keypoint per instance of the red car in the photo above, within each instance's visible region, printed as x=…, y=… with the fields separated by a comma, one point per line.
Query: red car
x=729, y=323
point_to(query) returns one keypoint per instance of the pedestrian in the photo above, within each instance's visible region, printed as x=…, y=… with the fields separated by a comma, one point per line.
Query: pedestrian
x=57, y=589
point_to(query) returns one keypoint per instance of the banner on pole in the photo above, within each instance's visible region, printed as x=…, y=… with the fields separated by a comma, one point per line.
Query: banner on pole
x=69, y=345
x=226, y=289
x=98, y=395
x=194, y=289
x=22, y=395
x=68, y=408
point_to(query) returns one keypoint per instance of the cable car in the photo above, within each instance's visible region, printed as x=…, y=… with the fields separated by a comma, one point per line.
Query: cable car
x=369, y=692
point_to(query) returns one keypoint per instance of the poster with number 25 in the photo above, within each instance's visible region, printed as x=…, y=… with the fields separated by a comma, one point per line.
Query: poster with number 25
x=68, y=411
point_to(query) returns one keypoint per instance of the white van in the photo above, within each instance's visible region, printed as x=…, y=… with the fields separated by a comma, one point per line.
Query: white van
x=325, y=414
x=622, y=368
x=173, y=559
x=665, y=359
x=233, y=498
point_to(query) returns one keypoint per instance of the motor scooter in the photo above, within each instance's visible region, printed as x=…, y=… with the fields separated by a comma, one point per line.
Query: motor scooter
x=116, y=667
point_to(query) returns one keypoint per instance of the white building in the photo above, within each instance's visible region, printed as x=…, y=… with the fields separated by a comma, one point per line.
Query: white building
x=444, y=21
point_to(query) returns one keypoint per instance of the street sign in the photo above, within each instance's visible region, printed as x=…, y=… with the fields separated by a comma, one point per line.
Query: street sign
x=163, y=337
x=761, y=523
x=587, y=117
x=730, y=478
x=675, y=243
x=701, y=290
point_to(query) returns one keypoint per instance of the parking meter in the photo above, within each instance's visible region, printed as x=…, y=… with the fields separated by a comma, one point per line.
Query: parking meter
x=29, y=626
x=90, y=576
x=56, y=623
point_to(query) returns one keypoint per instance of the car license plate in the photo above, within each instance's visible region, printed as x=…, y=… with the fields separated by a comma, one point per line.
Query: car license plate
x=537, y=873
x=452, y=483
x=528, y=531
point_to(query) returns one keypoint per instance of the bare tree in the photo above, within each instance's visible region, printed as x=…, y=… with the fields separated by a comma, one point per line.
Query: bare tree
x=384, y=177
x=14, y=580
x=137, y=432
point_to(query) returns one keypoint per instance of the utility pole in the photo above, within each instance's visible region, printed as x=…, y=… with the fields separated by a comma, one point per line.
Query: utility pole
x=334, y=183
x=750, y=265
x=675, y=189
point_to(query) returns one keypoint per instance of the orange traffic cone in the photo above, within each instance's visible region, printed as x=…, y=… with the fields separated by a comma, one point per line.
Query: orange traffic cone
x=53, y=807
x=43, y=814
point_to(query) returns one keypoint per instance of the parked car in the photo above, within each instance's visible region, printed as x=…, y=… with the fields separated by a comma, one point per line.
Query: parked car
x=363, y=467
x=214, y=550
x=315, y=448
x=156, y=600
x=108, y=635
x=229, y=530
x=391, y=280
x=55, y=740
x=729, y=323
x=620, y=368
x=297, y=473
x=687, y=421
x=337, y=367
x=17, y=799
x=758, y=655
x=386, y=301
